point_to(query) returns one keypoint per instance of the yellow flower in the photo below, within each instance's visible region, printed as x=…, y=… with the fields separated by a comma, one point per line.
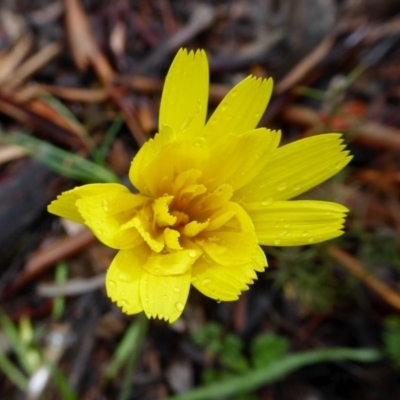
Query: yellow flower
x=209, y=195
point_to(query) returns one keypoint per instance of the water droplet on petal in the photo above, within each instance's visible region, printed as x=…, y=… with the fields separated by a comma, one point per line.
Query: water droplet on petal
x=193, y=253
x=305, y=234
x=179, y=306
x=177, y=289
x=267, y=202
x=311, y=240
x=122, y=276
x=123, y=304
x=104, y=205
x=205, y=281
x=282, y=186
x=218, y=301
x=277, y=242
x=112, y=284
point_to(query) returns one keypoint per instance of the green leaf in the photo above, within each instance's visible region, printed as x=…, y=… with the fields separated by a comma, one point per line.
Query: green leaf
x=59, y=160
x=275, y=371
x=128, y=347
x=268, y=348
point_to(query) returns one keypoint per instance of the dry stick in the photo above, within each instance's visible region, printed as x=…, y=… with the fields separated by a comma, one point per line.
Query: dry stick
x=44, y=259
x=86, y=52
x=14, y=57
x=306, y=65
x=34, y=63
x=202, y=17
x=356, y=268
x=367, y=133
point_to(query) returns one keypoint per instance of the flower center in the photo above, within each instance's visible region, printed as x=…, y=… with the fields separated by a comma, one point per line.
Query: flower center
x=186, y=212
x=181, y=219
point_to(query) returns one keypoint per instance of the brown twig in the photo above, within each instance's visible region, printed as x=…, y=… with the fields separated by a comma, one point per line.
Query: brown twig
x=356, y=268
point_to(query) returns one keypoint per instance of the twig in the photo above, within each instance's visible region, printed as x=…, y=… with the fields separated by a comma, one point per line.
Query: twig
x=356, y=268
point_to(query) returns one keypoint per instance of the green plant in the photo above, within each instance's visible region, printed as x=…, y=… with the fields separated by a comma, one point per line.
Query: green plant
x=391, y=339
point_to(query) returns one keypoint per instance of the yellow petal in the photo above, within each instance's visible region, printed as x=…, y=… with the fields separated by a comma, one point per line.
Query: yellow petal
x=162, y=217
x=237, y=159
x=185, y=94
x=164, y=297
x=227, y=248
x=297, y=167
x=168, y=264
x=298, y=222
x=146, y=154
x=155, y=177
x=123, y=279
x=231, y=217
x=193, y=228
x=144, y=227
x=171, y=237
x=240, y=110
x=107, y=215
x=65, y=204
x=206, y=205
x=225, y=283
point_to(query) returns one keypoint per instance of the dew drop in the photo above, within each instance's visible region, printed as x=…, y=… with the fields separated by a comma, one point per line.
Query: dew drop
x=179, y=306
x=218, y=301
x=267, y=202
x=123, y=303
x=104, y=205
x=177, y=289
x=112, y=284
x=305, y=234
x=311, y=240
x=296, y=188
x=193, y=253
x=282, y=186
x=277, y=242
x=205, y=282
x=122, y=276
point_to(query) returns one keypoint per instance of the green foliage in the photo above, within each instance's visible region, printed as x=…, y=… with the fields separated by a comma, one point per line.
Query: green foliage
x=25, y=347
x=376, y=247
x=274, y=371
x=59, y=160
x=307, y=277
x=391, y=339
x=268, y=348
x=226, y=350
